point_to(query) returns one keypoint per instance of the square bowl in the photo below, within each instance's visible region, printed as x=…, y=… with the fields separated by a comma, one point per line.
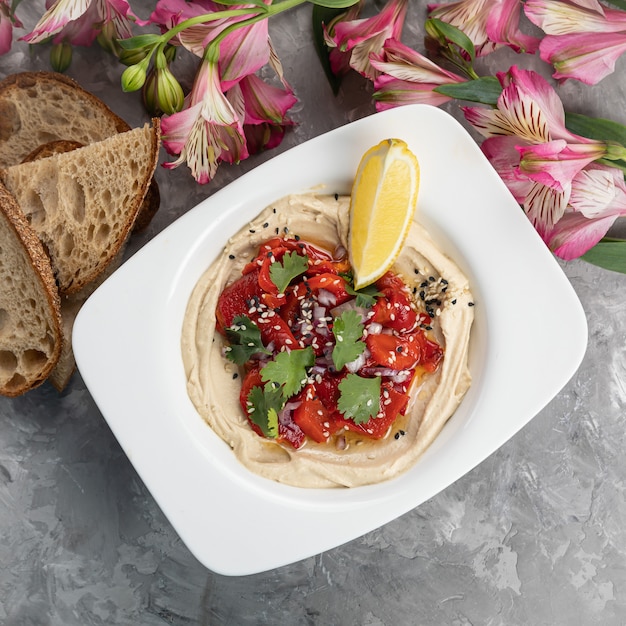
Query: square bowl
x=127, y=338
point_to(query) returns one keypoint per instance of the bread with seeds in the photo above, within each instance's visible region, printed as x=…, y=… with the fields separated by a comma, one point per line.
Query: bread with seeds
x=83, y=204
x=30, y=319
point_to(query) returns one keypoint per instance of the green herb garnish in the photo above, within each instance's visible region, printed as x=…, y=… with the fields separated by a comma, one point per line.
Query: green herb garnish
x=289, y=370
x=245, y=339
x=348, y=330
x=292, y=265
x=265, y=402
x=365, y=297
x=359, y=398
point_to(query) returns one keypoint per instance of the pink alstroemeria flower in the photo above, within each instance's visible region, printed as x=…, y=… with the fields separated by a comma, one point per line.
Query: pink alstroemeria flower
x=242, y=52
x=407, y=77
x=490, y=24
x=7, y=22
x=264, y=109
x=583, y=39
x=80, y=21
x=531, y=149
x=352, y=42
x=528, y=107
x=555, y=163
x=598, y=198
x=207, y=131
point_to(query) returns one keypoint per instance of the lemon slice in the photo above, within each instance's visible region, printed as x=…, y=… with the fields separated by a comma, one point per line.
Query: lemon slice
x=382, y=206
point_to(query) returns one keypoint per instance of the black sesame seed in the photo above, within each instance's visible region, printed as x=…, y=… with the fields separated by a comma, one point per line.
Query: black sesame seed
x=453, y=301
x=286, y=230
x=231, y=256
x=336, y=197
x=266, y=225
x=470, y=304
x=252, y=230
x=277, y=230
x=274, y=209
x=396, y=436
x=235, y=375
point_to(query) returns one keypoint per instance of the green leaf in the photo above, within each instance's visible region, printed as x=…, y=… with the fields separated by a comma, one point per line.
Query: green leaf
x=485, y=90
x=289, y=370
x=359, y=398
x=620, y=4
x=139, y=41
x=443, y=31
x=365, y=297
x=596, y=128
x=609, y=254
x=292, y=265
x=266, y=403
x=245, y=339
x=348, y=331
x=333, y=4
x=323, y=15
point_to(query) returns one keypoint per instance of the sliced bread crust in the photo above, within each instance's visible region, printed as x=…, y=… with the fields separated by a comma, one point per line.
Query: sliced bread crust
x=30, y=318
x=83, y=204
x=37, y=108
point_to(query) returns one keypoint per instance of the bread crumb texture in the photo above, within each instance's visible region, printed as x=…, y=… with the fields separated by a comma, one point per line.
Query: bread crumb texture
x=82, y=204
x=30, y=331
x=39, y=107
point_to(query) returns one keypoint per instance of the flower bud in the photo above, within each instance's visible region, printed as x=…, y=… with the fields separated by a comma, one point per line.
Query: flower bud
x=134, y=77
x=132, y=57
x=61, y=56
x=106, y=38
x=162, y=93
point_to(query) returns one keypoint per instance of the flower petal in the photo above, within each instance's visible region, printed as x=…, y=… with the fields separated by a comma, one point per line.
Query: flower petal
x=587, y=57
x=575, y=234
x=555, y=163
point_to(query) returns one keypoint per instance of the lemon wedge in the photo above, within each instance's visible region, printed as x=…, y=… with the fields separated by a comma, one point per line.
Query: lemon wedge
x=382, y=206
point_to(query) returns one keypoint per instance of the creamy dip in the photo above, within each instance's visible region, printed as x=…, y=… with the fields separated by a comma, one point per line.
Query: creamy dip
x=214, y=382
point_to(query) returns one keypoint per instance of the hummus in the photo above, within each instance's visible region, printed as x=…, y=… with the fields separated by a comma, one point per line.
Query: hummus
x=214, y=382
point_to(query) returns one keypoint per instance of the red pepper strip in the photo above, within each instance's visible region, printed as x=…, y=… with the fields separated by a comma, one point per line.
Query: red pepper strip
x=398, y=352
x=312, y=417
x=236, y=300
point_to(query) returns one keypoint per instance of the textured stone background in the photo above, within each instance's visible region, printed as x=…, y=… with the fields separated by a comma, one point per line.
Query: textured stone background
x=536, y=534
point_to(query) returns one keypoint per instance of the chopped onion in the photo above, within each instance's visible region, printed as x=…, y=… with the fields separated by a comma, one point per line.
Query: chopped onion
x=357, y=364
x=326, y=298
x=350, y=305
x=374, y=328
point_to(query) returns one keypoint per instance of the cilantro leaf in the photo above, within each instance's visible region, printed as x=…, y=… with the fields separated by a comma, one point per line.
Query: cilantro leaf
x=292, y=265
x=265, y=404
x=359, y=398
x=245, y=339
x=348, y=330
x=365, y=297
x=288, y=369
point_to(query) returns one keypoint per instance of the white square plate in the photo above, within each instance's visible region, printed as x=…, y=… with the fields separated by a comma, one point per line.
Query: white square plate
x=528, y=339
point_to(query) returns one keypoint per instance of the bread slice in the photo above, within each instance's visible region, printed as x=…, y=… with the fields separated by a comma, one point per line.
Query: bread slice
x=61, y=373
x=83, y=204
x=30, y=320
x=37, y=108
